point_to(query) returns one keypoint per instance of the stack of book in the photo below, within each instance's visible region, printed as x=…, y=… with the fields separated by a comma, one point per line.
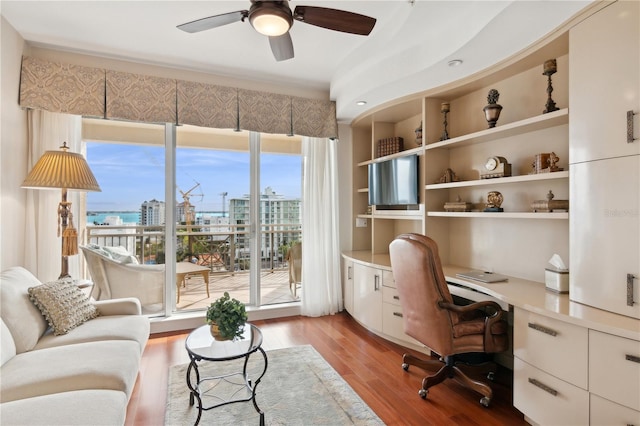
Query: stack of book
x=388, y=146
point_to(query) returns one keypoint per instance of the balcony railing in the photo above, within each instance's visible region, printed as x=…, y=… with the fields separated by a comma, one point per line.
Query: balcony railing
x=223, y=248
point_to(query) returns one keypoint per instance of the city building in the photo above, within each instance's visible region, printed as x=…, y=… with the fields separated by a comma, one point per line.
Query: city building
x=277, y=212
x=152, y=213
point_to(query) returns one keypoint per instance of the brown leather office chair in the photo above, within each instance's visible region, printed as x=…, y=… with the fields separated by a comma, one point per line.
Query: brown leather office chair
x=431, y=317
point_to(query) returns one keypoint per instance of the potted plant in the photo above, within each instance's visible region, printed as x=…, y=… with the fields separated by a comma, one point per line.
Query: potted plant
x=227, y=317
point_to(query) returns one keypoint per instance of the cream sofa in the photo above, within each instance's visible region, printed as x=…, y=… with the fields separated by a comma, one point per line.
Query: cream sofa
x=83, y=377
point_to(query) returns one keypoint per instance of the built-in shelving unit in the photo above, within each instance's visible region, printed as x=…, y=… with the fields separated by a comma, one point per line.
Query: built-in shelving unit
x=531, y=124
x=500, y=181
x=476, y=239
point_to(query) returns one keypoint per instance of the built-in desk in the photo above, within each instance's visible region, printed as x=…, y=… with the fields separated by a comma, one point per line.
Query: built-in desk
x=573, y=364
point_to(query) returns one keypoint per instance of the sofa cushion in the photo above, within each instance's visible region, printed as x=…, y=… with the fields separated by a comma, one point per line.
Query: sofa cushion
x=95, y=365
x=63, y=304
x=114, y=327
x=21, y=316
x=7, y=345
x=87, y=407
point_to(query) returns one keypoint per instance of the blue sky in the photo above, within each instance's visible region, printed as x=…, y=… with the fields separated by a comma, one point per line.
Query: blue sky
x=131, y=174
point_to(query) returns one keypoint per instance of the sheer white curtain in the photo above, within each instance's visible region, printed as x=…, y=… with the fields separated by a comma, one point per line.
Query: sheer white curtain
x=46, y=132
x=321, y=282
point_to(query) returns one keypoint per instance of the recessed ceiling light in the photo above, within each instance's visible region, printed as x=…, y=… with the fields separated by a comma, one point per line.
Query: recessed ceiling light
x=360, y=103
x=455, y=62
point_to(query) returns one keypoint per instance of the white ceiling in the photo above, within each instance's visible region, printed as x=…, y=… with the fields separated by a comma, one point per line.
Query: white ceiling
x=406, y=52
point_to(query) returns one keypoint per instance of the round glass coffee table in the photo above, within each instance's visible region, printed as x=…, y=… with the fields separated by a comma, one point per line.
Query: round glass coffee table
x=202, y=347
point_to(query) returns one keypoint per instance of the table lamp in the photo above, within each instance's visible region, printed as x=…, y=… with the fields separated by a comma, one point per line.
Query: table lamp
x=67, y=171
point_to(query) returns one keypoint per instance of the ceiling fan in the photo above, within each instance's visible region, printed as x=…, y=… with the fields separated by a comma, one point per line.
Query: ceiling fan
x=274, y=19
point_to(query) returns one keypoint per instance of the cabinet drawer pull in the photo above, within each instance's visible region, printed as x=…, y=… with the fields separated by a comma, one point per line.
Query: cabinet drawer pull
x=396, y=297
x=376, y=282
x=630, y=137
x=630, y=278
x=399, y=314
x=633, y=358
x=544, y=387
x=543, y=329
x=349, y=273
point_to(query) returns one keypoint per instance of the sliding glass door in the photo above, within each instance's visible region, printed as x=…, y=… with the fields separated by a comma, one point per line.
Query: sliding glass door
x=237, y=209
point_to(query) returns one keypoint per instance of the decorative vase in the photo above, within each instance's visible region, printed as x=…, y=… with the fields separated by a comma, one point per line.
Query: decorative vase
x=215, y=332
x=492, y=110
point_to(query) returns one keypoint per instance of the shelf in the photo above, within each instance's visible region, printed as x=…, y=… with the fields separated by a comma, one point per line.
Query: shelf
x=503, y=215
x=419, y=150
x=532, y=124
x=498, y=181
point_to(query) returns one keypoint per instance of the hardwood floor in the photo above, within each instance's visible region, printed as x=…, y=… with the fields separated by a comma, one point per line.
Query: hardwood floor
x=370, y=364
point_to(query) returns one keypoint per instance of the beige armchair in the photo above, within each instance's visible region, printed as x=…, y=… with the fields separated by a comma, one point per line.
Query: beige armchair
x=294, y=257
x=114, y=279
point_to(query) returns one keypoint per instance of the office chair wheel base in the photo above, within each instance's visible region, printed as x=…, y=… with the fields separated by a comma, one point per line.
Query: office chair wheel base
x=484, y=401
x=423, y=393
x=491, y=376
x=405, y=366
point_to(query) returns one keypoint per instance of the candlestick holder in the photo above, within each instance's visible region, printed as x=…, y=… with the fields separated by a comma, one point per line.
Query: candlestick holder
x=444, y=108
x=549, y=68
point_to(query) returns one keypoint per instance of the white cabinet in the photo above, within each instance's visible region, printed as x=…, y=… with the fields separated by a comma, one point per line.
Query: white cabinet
x=556, y=347
x=550, y=369
x=367, y=296
x=603, y=412
x=605, y=168
x=547, y=400
x=605, y=230
x=392, y=316
x=347, y=285
x=604, y=83
x=614, y=369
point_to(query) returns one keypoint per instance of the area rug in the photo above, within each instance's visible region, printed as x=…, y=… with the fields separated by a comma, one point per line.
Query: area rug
x=298, y=388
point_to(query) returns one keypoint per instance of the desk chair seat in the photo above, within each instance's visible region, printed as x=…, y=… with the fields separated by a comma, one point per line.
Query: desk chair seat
x=431, y=317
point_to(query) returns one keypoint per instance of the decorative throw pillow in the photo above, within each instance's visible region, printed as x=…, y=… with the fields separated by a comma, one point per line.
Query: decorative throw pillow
x=63, y=304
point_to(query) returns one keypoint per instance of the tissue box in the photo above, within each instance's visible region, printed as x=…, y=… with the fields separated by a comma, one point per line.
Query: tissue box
x=557, y=280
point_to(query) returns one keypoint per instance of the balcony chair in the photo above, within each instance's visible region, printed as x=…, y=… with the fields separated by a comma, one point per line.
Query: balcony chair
x=117, y=275
x=294, y=258
x=429, y=315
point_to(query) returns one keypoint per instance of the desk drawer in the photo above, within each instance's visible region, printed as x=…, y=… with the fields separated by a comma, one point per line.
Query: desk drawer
x=392, y=324
x=390, y=295
x=604, y=412
x=556, y=347
x=614, y=368
x=548, y=400
x=387, y=279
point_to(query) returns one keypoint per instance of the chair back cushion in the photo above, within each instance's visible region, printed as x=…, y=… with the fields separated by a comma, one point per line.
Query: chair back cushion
x=421, y=286
x=23, y=319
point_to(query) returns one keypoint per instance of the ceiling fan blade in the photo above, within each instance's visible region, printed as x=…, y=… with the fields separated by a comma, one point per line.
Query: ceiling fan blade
x=213, y=21
x=333, y=19
x=282, y=47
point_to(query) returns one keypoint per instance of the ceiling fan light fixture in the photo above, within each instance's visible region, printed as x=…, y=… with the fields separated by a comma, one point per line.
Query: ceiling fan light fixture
x=270, y=19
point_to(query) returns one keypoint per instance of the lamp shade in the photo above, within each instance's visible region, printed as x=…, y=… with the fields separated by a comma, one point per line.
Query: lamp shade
x=62, y=169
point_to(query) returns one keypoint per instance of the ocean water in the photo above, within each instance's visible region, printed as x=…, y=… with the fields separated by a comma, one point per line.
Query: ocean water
x=99, y=217
x=129, y=217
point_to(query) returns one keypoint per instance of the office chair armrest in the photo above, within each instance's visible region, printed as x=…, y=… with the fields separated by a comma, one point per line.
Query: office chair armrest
x=473, y=307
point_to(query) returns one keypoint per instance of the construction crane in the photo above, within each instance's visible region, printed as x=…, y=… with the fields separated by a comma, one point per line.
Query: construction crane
x=188, y=210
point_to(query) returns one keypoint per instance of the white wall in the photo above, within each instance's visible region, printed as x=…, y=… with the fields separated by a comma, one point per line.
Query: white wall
x=345, y=180
x=13, y=150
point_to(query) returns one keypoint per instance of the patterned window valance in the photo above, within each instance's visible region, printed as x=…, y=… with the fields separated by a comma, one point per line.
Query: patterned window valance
x=96, y=92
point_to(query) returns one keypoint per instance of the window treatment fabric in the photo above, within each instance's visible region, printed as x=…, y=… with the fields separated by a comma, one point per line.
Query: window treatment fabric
x=43, y=248
x=96, y=92
x=64, y=88
x=140, y=98
x=321, y=280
